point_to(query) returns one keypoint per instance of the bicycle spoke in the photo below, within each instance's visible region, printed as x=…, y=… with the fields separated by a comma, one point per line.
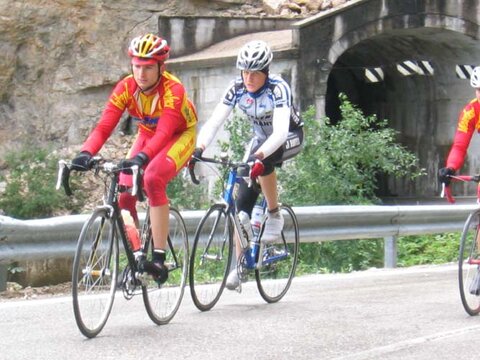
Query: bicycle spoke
x=210, y=260
x=162, y=302
x=278, y=260
x=94, y=273
x=468, y=265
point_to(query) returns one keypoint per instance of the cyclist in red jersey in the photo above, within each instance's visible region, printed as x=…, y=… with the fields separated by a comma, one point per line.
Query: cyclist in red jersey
x=468, y=122
x=158, y=103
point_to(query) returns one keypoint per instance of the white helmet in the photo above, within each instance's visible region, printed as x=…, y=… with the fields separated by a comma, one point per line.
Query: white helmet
x=475, y=78
x=254, y=56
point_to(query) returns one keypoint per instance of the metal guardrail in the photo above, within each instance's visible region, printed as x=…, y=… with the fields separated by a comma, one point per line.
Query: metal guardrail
x=56, y=237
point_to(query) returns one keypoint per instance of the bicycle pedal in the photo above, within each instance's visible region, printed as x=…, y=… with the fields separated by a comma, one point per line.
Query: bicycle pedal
x=143, y=278
x=170, y=266
x=238, y=289
x=475, y=285
x=243, y=276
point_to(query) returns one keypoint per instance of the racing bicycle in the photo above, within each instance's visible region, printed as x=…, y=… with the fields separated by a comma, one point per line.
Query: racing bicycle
x=469, y=254
x=272, y=264
x=96, y=275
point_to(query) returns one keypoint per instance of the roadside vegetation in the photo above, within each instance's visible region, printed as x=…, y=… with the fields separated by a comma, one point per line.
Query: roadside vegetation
x=28, y=185
x=338, y=165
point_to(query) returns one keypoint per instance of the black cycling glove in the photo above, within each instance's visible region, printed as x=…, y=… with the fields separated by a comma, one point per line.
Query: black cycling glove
x=197, y=154
x=444, y=175
x=82, y=162
x=140, y=159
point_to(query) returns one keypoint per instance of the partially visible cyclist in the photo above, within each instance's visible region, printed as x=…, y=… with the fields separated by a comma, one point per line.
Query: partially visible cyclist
x=267, y=102
x=166, y=119
x=468, y=122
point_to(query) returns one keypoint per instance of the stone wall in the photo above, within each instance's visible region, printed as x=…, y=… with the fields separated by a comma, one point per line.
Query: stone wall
x=191, y=34
x=60, y=62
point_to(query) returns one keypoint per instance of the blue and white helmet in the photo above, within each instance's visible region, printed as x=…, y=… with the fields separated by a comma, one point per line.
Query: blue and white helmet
x=475, y=78
x=254, y=56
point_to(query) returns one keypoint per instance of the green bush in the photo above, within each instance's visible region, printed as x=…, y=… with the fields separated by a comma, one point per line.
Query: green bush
x=30, y=185
x=340, y=256
x=339, y=163
x=428, y=249
x=240, y=133
x=185, y=195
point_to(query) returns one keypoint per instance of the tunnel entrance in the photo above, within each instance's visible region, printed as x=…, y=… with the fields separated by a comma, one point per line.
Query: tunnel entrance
x=422, y=108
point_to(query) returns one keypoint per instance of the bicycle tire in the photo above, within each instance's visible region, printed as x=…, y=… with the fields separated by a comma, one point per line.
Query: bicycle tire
x=162, y=302
x=469, y=265
x=211, y=257
x=94, y=274
x=274, y=278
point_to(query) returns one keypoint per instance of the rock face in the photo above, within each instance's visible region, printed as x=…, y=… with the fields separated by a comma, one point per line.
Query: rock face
x=60, y=59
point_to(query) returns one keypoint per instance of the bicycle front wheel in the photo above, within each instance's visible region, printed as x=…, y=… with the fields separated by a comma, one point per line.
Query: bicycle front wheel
x=211, y=256
x=469, y=265
x=162, y=302
x=278, y=260
x=95, y=268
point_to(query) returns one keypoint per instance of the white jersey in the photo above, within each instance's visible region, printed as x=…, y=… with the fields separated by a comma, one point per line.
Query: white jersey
x=259, y=106
x=270, y=111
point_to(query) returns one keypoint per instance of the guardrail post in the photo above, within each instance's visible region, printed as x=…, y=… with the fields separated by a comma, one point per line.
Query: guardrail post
x=390, y=251
x=3, y=277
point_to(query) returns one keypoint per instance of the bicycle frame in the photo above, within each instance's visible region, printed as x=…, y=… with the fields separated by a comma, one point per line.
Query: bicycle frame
x=113, y=208
x=468, y=259
x=251, y=248
x=110, y=205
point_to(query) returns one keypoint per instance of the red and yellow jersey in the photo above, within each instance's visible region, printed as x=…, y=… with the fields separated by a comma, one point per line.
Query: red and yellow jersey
x=468, y=122
x=159, y=115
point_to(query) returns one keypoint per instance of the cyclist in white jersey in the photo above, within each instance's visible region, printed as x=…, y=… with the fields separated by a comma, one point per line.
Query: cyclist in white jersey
x=266, y=100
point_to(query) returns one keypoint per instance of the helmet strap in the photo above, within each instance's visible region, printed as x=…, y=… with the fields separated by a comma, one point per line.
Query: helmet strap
x=153, y=86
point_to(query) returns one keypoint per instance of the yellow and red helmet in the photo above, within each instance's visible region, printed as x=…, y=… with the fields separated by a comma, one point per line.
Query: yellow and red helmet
x=148, y=49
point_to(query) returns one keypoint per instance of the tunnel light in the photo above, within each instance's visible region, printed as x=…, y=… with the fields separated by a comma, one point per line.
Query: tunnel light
x=414, y=67
x=374, y=75
x=407, y=68
x=464, y=71
x=425, y=68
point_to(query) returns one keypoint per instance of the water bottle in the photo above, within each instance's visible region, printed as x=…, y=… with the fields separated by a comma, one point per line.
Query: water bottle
x=245, y=224
x=257, y=215
x=131, y=229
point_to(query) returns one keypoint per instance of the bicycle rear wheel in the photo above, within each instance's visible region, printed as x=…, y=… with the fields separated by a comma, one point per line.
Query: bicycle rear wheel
x=95, y=268
x=469, y=265
x=162, y=302
x=279, y=260
x=211, y=256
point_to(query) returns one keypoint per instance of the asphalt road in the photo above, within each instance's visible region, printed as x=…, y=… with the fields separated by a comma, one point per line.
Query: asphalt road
x=410, y=313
